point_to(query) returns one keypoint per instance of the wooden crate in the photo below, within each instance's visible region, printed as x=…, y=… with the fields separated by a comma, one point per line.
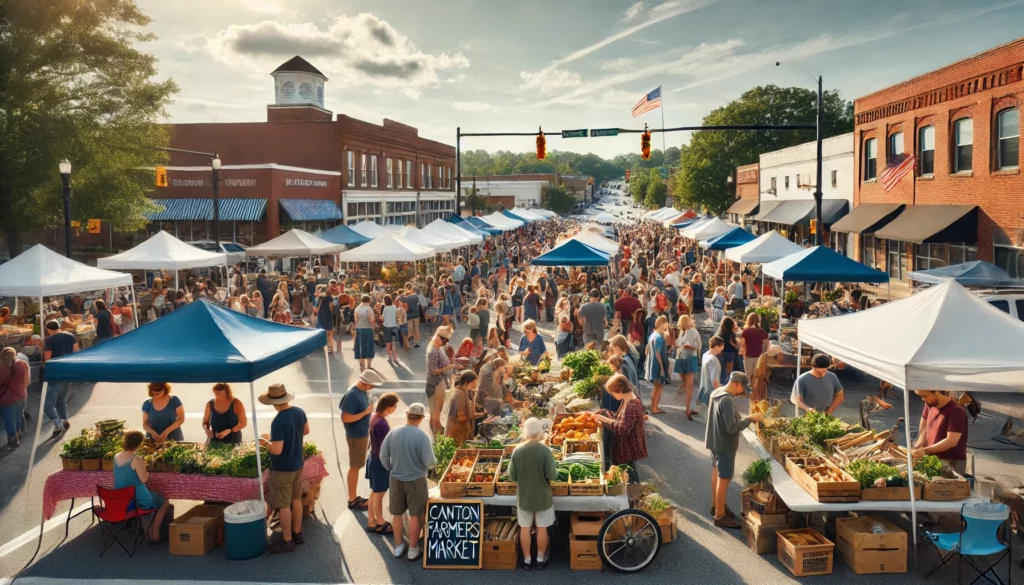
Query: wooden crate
x=761, y=537
x=586, y=489
x=587, y=523
x=615, y=490
x=806, y=560
x=451, y=489
x=951, y=486
x=71, y=464
x=91, y=465
x=826, y=492
x=583, y=553
x=559, y=488
x=501, y=554
x=868, y=552
x=890, y=494
x=753, y=500
x=485, y=489
x=591, y=447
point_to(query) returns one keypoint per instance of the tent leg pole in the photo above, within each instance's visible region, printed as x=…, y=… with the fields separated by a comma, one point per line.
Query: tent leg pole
x=135, y=307
x=35, y=440
x=799, y=352
x=910, y=467
x=330, y=395
x=256, y=433
x=888, y=290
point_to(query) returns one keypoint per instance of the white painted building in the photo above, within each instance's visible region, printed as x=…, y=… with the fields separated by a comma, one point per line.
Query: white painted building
x=396, y=207
x=525, y=194
x=787, y=185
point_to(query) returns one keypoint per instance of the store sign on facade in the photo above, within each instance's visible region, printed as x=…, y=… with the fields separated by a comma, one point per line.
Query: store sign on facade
x=305, y=183
x=238, y=182
x=188, y=182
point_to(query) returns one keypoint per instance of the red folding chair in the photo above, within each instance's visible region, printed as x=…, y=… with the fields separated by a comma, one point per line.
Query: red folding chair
x=118, y=511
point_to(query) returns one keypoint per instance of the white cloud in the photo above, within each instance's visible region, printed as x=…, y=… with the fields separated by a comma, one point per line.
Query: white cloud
x=550, y=80
x=472, y=106
x=268, y=6
x=360, y=49
x=617, y=64
x=633, y=12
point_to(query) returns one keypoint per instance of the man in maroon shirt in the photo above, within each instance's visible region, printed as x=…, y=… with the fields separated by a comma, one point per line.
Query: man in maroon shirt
x=943, y=430
x=625, y=307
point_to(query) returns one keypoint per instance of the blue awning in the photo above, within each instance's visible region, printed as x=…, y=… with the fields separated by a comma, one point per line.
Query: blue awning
x=462, y=223
x=480, y=225
x=211, y=344
x=310, y=209
x=572, y=253
x=342, y=234
x=821, y=264
x=193, y=209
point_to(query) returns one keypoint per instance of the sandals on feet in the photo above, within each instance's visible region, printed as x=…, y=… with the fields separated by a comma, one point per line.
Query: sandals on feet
x=385, y=528
x=359, y=503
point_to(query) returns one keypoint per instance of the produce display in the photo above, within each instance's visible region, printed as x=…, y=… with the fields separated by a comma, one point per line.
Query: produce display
x=444, y=450
x=503, y=473
x=873, y=474
x=583, y=363
x=484, y=472
x=579, y=469
x=929, y=465
x=818, y=468
x=617, y=475
x=581, y=426
x=460, y=470
x=818, y=427
x=759, y=471
x=862, y=445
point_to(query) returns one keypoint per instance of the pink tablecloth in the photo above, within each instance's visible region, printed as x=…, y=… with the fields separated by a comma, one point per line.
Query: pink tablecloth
x=65, y=485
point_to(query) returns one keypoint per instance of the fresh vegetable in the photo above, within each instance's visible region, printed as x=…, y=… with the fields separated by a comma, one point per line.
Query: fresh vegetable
x=444, y=450
x=617, y=475
x=588, y=388
x=868, y=473
x=582, y=363
x=581, y=426
x=818, y=427
x=655, y=504
x=759, y=471
x=930, y=465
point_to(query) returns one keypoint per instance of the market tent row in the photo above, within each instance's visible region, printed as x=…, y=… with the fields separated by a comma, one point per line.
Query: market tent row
x=295, y=243
x=477, y=224
x=768, y=247
x=211, y=344
x=442, y=227
x=369, y=229
x=544, y=213
x=706, y=230
x=686, y=223
x=975, y=273
x=344, y=235
x=437, y=244
x=572, y=253
x=163, y=252
x=605, y=217
x=516, y=217
x=822, y=264
x=737, y=236
x=594, y=241
x=387, y=248
x=529, y=214
x=661, y=214
x=944, y=338
x=677, y=219
x=501, y=221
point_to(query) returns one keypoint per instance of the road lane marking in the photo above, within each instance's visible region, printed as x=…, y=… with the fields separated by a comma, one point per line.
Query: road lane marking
x=33, y=534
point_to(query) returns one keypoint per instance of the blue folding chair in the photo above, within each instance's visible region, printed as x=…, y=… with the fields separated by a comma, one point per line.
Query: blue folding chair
x=978, y=537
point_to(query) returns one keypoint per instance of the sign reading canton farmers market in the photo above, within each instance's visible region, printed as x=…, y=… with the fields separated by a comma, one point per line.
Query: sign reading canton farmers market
x=305, y=183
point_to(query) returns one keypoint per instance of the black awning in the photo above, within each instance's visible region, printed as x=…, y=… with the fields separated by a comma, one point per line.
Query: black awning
x=801, y=211
x=867, y=218
x=933, y=224
x=744, y=206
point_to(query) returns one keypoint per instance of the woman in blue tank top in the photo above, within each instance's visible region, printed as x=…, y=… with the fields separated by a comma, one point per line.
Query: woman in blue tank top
x=130, y=470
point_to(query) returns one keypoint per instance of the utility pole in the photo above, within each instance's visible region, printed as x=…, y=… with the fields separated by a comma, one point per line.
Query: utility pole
x=817, y=186
x=458, y=171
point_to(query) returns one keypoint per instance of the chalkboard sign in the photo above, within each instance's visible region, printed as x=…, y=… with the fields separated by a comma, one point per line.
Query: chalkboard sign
x=454, y=534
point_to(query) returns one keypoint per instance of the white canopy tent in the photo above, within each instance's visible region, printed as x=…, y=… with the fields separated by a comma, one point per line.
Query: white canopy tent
x=295, y=243
x=387, y=248
x=164, y=252
x=544, y=213
x=656, y=213
x=527, y=214
x=440, y=226
x=369, y=229
x=605, y=217
x=40, y=272
x=706, y=230
x=945, y=338
x=595, y=228
x=427, y=240
x=502, y=221
x=767, y=247
x=594, y=241
x=665, y=213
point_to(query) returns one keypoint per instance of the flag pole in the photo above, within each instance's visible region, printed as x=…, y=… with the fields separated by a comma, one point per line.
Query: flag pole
x=664, y=150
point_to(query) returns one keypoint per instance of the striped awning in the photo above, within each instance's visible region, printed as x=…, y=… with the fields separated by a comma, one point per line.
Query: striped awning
x=310, y=209
x=191, y=209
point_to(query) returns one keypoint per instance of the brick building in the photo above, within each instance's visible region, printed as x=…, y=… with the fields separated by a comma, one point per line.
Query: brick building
x=964, y=199
x=302, y=157
x=748, y=195
x=527, y=190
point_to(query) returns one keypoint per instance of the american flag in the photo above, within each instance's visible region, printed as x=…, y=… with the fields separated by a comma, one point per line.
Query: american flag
x=648, y=102
x=895, y=169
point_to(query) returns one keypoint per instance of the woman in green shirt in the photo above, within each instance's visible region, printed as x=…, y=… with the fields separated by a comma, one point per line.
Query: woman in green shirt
x=533, y=468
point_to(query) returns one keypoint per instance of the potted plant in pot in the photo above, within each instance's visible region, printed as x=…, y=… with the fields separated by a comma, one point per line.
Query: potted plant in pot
x=93, y=452
x=71, y=452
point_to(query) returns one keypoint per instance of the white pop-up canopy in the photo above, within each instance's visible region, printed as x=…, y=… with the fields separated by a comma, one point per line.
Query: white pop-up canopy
x=706, y=230
x=544, y=213
x=768, y=247
x=605, y=217
x=659, y=213
x=502, y=221
x=451, y=233
x=163, y=252
x=369, y=229
x=426, y=240
x=594, y=241
x=295, y=243
x=944, y=338
x=41, y=272
x=387, y=248
x=529, y=214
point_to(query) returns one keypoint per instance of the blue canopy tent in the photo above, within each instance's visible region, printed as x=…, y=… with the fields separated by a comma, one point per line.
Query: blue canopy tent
x=736, y=237
x=462, y=223
x=821, y=264
x=976, y=273
x=342, y=234
x=687, y=222
x=479, y=224
x=511, y=215
x=573, y=253
x=209, y=343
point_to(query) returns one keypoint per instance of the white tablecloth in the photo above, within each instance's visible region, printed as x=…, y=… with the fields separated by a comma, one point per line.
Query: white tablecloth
x=562, y=503
x=798, y=500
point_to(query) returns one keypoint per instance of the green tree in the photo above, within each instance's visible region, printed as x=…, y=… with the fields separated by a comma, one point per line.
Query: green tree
x=712, y=156
x=559, y=200
x=638, y=182
x=73, y=84
x=657, y=191
x=477, y=202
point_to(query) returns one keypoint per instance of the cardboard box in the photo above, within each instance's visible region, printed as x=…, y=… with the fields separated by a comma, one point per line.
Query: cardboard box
x=583, y=553
x=761, y=538
x=869, y=552
x=667, y=524
x=774, y=519
x=804, y=560
x=951, y=486
x=197, y=531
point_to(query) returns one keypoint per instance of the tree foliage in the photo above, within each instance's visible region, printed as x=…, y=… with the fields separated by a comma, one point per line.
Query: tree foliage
x=558, y=199
x=657, y=191
x=712, y=156
x=72, y=84
x=638, y=184
x=503, y=162
x=476, y=202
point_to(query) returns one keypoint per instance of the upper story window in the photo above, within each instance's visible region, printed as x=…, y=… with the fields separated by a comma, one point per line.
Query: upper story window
x=449, y=184
x=870, y=156
x=373, y=170
x=351, y=169
x=362, y=170
x=408, y=174
x=835, y=179
x=926, y=157
x=895, y=144
x=390, y=169
x=773, y=185
x=1008, y=129
x=963, y=145
x=440, y=177
x=785, y=181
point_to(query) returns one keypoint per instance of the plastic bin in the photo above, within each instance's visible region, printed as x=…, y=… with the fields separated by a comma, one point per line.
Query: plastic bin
x=245, y=530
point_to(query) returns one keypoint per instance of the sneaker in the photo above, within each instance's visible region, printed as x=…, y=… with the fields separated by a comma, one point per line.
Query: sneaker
x=67, y=425
x=57, y=432
x=400, y=550
x=13, y=442
x=726, y=522
x=541, y=565
x=414, y=553
x=281, y=546
x=527, y=565
x=297, y=538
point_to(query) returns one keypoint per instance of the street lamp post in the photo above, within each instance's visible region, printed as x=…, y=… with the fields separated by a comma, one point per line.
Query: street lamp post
x=64, y=166
x=215, y=163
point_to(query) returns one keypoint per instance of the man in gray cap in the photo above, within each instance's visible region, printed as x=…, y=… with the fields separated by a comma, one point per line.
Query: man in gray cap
x=721, y=436
x=356, y=407
x=407, y=454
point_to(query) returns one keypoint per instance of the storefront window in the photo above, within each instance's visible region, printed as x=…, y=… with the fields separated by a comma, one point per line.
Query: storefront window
x=1010, y=259
x=960, y=253
x=929, y=256
x=896, y=265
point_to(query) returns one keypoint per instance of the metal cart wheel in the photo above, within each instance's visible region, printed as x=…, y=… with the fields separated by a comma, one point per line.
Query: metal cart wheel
x=629, y=540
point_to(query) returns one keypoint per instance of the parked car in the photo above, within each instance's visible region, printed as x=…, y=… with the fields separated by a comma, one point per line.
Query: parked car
x=1012, y=303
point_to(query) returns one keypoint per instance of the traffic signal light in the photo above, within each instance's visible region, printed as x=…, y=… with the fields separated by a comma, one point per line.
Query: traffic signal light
x=814, y=226
x=161, y=176
x=645, y=145
x=542, y=151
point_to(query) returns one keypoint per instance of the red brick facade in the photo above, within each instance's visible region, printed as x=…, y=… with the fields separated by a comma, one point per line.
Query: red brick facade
x=747, y=182
x=979, y=88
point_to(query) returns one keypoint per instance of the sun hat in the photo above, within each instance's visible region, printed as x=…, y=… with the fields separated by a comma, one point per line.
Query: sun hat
x=276, y=394
x=371, y=377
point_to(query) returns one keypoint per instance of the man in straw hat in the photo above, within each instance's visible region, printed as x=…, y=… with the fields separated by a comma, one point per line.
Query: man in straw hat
x=407, y=454
x=284, y=486
x=356, y=407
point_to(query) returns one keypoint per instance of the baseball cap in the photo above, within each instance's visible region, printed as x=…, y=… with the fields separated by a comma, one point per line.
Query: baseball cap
x=416, y=409
x=741, y=378
x=371, y=377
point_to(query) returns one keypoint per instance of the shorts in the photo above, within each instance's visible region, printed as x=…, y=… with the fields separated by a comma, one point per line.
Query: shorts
x=407, y=496
x=403, y=329
x=158, y=501
x=390, y=334
x=473, y=334
x=687, y=365
x=378, y=476
x=597, y=340
x=725, y=463
x=541, y=519
x=357, y=451
x=283, y=488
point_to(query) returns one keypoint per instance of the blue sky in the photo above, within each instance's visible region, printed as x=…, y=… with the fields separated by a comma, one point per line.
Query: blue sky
x=498, y=65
